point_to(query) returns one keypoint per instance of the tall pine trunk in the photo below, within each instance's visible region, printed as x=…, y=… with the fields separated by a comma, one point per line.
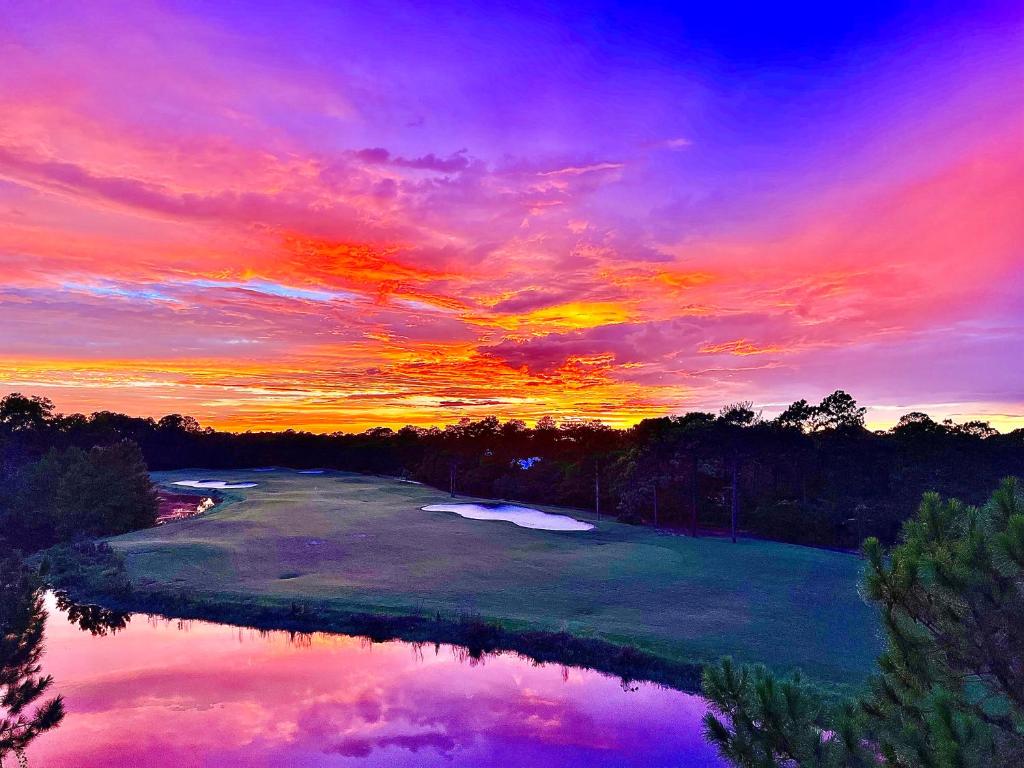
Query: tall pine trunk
x=693, y=499
x=735, y=493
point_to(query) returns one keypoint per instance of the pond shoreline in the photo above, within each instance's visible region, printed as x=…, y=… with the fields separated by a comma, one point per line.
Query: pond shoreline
x=479, y=636
x=353, y=554
x=173, y=505
x=216, y=694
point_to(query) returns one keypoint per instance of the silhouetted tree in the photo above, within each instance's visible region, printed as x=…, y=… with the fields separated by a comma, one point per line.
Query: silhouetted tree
x=812, y=475
x=24, y=713
x=837, y=411
x=22, y=414
x=72, y=493
x=798, y=415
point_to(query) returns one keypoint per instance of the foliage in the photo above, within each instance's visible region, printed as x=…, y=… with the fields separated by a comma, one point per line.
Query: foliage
x=23, y=712
x=764, y=721
x=838, y=411
x=813, y=475
x=95, y=619
x=98, y=565
x=25, y=414
x=949, y=691
x=71, y=494
x=739, y=413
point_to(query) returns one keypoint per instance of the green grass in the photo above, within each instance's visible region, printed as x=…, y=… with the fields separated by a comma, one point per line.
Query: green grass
x=350, y=543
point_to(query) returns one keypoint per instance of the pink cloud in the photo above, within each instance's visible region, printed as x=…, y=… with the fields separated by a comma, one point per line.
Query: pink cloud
x=212, y=185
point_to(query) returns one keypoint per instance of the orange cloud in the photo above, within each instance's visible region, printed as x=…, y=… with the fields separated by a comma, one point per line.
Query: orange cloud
x=738, y=347
x=262, y=247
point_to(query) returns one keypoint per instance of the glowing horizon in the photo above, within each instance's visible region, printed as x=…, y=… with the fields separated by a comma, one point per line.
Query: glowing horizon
x=340, y=217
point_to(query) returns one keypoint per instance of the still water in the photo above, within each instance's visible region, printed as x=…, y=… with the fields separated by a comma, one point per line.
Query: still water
x=166, y=693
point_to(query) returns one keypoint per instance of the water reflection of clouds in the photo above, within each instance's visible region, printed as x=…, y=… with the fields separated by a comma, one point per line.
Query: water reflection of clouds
x=159, y=695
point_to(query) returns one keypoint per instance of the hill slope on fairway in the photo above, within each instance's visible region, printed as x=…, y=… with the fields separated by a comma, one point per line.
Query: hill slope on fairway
x=357, y=543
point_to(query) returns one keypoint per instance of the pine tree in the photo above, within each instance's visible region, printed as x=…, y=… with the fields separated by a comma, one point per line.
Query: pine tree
x=22, y=618
x=949, y=690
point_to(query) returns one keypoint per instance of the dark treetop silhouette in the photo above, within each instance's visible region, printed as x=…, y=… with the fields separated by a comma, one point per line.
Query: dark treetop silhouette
x=813, y=475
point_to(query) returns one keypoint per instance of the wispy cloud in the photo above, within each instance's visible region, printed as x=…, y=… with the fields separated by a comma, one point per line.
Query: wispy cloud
x=246, y=225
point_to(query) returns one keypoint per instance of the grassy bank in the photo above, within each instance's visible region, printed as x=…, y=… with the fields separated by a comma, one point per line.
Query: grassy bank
x=478, y=636
x=356, y=554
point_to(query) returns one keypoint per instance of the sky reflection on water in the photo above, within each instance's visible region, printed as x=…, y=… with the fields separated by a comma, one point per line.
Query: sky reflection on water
x=160, y=693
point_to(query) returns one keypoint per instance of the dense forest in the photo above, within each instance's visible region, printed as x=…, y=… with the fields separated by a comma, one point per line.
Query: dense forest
x=947, y=690
x=53, y=490
x=814, y=474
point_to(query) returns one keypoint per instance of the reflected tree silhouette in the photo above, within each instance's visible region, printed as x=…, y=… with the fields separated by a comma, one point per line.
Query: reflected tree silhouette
x=94, y=619
x=24, y=713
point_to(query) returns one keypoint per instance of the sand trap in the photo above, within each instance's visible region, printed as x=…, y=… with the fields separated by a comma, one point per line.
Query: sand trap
x=524, y=517
x=221, y=484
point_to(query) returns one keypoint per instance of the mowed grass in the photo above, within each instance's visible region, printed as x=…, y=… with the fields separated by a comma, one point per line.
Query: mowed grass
x=355, y=543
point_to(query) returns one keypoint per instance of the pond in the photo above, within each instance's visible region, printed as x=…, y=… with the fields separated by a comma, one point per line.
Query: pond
x=161, y=693
x=181, y=506
x=524, y=517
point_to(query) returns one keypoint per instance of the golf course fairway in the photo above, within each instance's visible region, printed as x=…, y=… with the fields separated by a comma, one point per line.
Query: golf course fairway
x=345, y=542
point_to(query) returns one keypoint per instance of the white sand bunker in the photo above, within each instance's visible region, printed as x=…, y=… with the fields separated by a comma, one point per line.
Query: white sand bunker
x=524, y=517
x=220, y=484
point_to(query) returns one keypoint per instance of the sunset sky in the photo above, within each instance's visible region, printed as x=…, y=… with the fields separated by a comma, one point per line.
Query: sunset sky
x=334, y=215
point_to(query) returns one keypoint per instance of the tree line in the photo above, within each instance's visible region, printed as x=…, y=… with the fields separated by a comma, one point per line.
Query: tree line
x=54, y=490
x=812, y=475
x=947, y=692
